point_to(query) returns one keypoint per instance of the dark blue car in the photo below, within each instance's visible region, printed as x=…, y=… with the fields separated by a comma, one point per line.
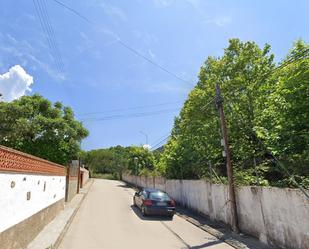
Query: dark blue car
x=154, y=202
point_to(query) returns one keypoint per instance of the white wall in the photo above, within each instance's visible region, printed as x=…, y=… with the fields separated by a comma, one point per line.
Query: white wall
x=14, y=206
x=277, y=216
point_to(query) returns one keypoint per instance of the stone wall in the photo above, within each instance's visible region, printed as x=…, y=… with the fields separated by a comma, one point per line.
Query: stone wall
x=277, y=216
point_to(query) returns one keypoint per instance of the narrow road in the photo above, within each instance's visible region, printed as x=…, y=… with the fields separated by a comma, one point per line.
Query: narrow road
x=107, y=219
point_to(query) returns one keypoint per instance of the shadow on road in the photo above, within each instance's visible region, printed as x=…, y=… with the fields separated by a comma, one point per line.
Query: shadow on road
x=123, y=186
x=138, y=213
x=207, y=244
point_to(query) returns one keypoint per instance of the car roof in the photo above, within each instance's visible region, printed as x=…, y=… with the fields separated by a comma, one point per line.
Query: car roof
x=153, y=190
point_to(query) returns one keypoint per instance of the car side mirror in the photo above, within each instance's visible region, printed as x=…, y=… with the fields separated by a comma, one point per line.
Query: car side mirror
x=136, y=194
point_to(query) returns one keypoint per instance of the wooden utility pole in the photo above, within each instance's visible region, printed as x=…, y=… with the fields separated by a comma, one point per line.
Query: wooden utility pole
x=232, y=199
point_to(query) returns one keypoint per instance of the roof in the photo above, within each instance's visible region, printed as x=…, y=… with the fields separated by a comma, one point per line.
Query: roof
x=152, y=190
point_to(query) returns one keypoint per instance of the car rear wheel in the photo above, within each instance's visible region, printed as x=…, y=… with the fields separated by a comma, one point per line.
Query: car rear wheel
x=134, y=202
x=144, y=211
x=171, y=216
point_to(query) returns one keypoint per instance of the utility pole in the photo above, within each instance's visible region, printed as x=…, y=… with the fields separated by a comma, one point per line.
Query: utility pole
x=146, y=136
x=232, y=199
x=135, y=164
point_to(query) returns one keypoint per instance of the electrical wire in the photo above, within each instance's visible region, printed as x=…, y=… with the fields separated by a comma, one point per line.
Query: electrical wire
x=152, y=62
x=303, y=55
x=158, y=145
x=129, y=108
x=132, y=115
x=166, y=137
x=125, y=45
x=44, y=29
x=264, y=147
x=52, y=32
x=46, y=26
x=42, y=13
x=159, y=139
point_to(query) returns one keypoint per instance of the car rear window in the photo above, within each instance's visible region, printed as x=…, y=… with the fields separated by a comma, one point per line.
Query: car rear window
x=160, y=196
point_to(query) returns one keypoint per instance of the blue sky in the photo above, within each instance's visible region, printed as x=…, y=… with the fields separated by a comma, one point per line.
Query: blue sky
x=101, y=78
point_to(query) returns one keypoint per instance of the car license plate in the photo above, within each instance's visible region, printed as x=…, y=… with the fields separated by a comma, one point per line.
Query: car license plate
x=161, y=203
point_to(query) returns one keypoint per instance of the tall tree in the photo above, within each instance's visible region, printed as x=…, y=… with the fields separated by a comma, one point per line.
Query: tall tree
x=267, y=114
x=34, y=125
x=284, y=124
x=242, y=72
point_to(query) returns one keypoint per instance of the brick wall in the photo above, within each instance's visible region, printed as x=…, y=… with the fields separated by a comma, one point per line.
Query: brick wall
x=32, y=192
x=16, y=161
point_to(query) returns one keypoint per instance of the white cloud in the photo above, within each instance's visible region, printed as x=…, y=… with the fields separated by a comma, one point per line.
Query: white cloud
x=15, y=83
x=152, y=55
x=26, y=55
x=147, y=146
x=113, y=11
x=220, y=21
x=196, y=4
x=163, y=3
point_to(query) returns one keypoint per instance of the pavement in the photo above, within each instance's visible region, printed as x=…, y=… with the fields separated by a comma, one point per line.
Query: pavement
x=221, y=231
x=102, y=216
x=51, y=235
x=107, y=219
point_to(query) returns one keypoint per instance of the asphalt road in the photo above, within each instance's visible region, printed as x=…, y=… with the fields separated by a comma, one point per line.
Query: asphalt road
x=107, y=219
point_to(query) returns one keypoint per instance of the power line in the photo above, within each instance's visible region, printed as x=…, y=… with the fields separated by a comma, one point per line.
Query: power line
x=205, y=107
x=300, y=56
x=44, y=29
x=166, y=137
x=52, y=32
x=40, y=8
x=159, y=139
x=264, y=147
x=159, y=144
x=292, y=59
x=41, y=12
x=74, y=11
x=132, y=115
x=130, y=108
x=152, y=62
x=125, y=45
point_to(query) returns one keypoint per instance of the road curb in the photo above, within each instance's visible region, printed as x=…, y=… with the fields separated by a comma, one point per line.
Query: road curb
x=52, y=234
x=219, y=235
x=69, y=222
x=238, y=241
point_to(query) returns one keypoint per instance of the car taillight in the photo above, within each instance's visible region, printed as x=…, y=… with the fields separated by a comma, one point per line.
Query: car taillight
x=172, y=203
x=147, y=202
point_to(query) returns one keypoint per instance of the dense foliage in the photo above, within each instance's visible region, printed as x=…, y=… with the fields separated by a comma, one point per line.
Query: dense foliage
x=34, y=125
x=116, y=160
x=267, y=112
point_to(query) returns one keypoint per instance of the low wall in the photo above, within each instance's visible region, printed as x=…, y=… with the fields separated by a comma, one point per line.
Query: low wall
x=71, y=188
x=72, y=180
x=32, y=192
x=277, y=216
x=21, y=234
x=84, y=176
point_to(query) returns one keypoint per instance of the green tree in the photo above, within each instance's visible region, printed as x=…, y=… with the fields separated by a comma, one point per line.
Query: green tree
x=140, y=160
x=284, y=124
x=115, y=160
x=242, y=73
x=34, y=125
x=267, y=112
